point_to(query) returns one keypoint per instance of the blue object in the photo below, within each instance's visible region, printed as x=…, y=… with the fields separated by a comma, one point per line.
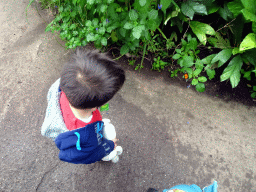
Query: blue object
x=78, y=141
x=211, y=188
x=84, y=145
x=195, y=188
x=99, y=130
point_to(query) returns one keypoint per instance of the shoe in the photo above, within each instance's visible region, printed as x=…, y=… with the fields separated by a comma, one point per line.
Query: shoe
x=119, y=150
x=152, y=190
x=115, y=159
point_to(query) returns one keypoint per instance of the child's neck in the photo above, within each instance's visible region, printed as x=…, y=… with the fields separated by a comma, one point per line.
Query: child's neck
x=81, y=114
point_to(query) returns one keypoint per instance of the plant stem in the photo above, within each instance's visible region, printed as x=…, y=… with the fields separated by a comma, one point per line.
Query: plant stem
x=227, y=25
x=144, y=51
x=161, y=32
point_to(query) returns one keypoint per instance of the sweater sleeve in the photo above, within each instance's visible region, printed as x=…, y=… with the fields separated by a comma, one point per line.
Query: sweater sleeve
x=53, y=124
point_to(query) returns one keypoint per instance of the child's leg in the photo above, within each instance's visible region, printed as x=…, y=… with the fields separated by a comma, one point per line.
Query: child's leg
x=109, y=131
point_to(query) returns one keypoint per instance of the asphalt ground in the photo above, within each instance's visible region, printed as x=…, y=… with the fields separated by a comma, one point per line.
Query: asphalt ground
x=170, y=134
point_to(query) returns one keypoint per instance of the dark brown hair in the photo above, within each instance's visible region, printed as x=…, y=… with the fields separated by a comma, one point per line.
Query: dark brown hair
x=90, y=79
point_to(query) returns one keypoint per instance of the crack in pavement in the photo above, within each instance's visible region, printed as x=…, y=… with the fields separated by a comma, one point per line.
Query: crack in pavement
x=50, y=170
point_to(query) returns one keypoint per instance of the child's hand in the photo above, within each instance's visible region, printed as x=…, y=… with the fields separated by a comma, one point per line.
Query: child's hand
x=115, y=140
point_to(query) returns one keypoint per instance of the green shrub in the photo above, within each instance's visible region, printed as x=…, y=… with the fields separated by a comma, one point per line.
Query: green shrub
x=162, y=26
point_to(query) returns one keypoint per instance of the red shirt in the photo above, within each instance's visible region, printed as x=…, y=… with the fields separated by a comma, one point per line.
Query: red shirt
x=69, y=118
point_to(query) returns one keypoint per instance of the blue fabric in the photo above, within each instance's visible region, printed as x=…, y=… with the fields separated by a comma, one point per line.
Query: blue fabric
x=78, y=141
x=84, y=145
x=99, y=130
x=186, y=188
x=195, y=188
x=211, y=188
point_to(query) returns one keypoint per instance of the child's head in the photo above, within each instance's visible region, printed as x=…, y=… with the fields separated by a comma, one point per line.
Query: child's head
x=90, y=79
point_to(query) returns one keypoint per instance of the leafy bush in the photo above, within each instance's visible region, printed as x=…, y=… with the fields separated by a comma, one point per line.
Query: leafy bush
x=157, y=26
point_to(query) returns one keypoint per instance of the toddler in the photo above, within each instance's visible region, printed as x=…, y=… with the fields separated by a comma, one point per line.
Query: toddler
x=89, y=80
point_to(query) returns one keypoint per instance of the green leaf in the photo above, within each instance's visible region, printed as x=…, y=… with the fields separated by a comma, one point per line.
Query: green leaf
x=189, y=71
x=124, y=49
x=90, y=2
x=247, y=75
x=202, y=79
x=60, y=8
x=111, y=10
x=84, y=43
x=199, y=8
x=73, y=26
x=152, y=15
x=142, y=2
x=113, y=36
x=188, y=61
x=176, y=56
x=250, y=5
x=194, y=82
x=208, y=59
x=250, y=55
x=201, y=29
x=178, y=50
x=213, y=8
x=187, y=10
x=197, y=72
x=102, y=30
x=104, y=107
x=136, y=31
x=200, y=87
x=253, y=95
x=193, y=44
x=133, y=15
x=128, y=25
x=88, y=23
x=135, y=43
x=104, y=41
x=183, y=42
x=235, y=51
x=249, y=15
x=225, y=13
x=75, y=33
x=103, y=8
x=210, y=73
x=235, y=7
x=172, y=14
x=165, y=4
x=254, y=88
x=48, y=28
x=249, y=42
x=89, y=37
x=73, y=14
x=219, y=42
x=95, y=22
x=199, y=64
x=122, y=31
x=222, y=57
x=152, y=25
x=232, y=71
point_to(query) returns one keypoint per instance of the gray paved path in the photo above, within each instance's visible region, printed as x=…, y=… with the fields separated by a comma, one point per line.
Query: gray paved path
x=170, y=135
